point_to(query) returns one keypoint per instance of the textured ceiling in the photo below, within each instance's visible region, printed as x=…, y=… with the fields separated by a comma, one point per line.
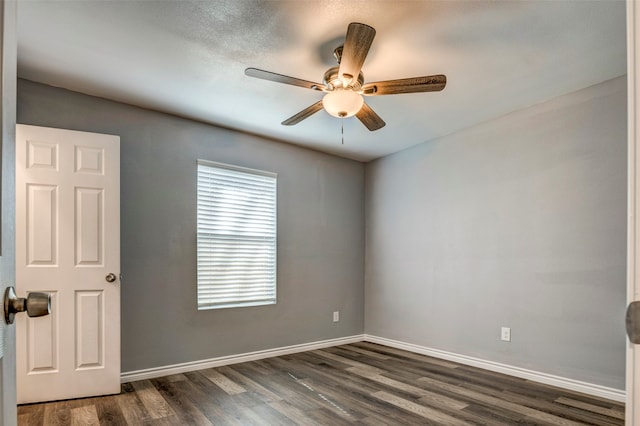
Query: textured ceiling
x=188, y=58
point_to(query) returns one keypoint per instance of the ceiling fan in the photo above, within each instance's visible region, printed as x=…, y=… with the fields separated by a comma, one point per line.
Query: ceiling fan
x=344, y=85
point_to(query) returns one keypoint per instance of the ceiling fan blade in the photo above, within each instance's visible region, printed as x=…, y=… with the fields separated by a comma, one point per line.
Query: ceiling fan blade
x=356, y=46
x=369, y=118
x=305, y=113
x=430, y=83
x=279, y=78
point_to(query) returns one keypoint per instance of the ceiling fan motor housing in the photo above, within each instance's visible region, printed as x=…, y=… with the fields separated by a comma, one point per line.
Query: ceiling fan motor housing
x=333, y=81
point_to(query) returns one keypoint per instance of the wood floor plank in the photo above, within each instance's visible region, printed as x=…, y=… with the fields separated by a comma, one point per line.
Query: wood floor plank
x=176, y=377
x=198, y=380
x=57, y=413
x=414, y=390
x=281, y=384
x=292, y=376
x=85, y=416
x=207, y=402
x=563, y=410
x=185, y=410
x=25, y=419
x=323, y=416
x=590, y=407
x=270, y=416
x=352, y=391
x=375, y=421
x=108, y=411
x=591, y=399
x=298, y=416
x=361, y=403
x=368, y=353
x=421, y=410
x=427, y=401
x=330, y=400
x=31, y=415
x=343, y=377
x=406, y=354
x=492, y=416
x=360, y=383
x=217, y=405
x=155, y=404
x=252, y=384
x=347, y=361
x=257, y=367
x=220, y=409
x=541, y=404
x=223, y=382
x=448, y=404
x=132, y=408
x=493, y=401
x=288, y=365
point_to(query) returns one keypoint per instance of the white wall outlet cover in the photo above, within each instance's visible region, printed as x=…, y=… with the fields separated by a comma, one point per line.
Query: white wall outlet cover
x=505, y=334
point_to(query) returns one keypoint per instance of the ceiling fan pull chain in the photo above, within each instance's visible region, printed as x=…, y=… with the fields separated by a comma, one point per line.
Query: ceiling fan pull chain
x=342, y=129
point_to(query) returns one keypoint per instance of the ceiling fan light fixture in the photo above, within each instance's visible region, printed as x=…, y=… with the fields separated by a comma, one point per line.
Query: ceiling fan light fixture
x=342, y=103
x=344, y=85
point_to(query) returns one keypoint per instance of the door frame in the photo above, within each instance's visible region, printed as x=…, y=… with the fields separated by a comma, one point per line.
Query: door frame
x=8, y=82
x=633, y=239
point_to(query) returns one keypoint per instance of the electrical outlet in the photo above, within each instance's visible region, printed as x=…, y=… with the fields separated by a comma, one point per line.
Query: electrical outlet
x=505, y=334
x=336, y=316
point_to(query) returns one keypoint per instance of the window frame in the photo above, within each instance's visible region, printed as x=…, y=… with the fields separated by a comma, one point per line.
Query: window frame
x=274, y=242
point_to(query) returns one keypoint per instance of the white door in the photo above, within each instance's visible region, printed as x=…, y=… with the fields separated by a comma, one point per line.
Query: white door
x=68, y=245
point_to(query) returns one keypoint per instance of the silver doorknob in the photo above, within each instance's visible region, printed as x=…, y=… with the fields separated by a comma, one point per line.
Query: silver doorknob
x=35, y=304
x=632, y=322
x=111, y=277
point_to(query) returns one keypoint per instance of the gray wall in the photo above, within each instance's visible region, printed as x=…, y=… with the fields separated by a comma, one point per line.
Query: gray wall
x=320, y=232
x=518, y=222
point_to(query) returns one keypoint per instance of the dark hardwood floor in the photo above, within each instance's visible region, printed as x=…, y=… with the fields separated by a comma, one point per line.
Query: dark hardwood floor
x=361, y=383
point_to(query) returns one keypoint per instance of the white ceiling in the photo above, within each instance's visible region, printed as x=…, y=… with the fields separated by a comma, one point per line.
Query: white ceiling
x=188, y=58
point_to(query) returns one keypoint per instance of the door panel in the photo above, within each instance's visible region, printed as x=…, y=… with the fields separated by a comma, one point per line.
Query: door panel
x=89, y=226
x=42, y=341
x=42, y=220
x=67, y=241
x=89, y=326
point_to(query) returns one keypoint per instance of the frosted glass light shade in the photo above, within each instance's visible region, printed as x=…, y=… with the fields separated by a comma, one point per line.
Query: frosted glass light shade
x=342, y=103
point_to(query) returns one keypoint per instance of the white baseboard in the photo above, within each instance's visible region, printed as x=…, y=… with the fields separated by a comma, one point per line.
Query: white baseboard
x=549, y=379
x=151, y=373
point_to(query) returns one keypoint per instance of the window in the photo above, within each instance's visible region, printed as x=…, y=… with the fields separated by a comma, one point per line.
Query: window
x=236, y=236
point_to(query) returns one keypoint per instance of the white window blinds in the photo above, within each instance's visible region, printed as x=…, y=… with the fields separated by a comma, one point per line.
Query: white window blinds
x=236, y=236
